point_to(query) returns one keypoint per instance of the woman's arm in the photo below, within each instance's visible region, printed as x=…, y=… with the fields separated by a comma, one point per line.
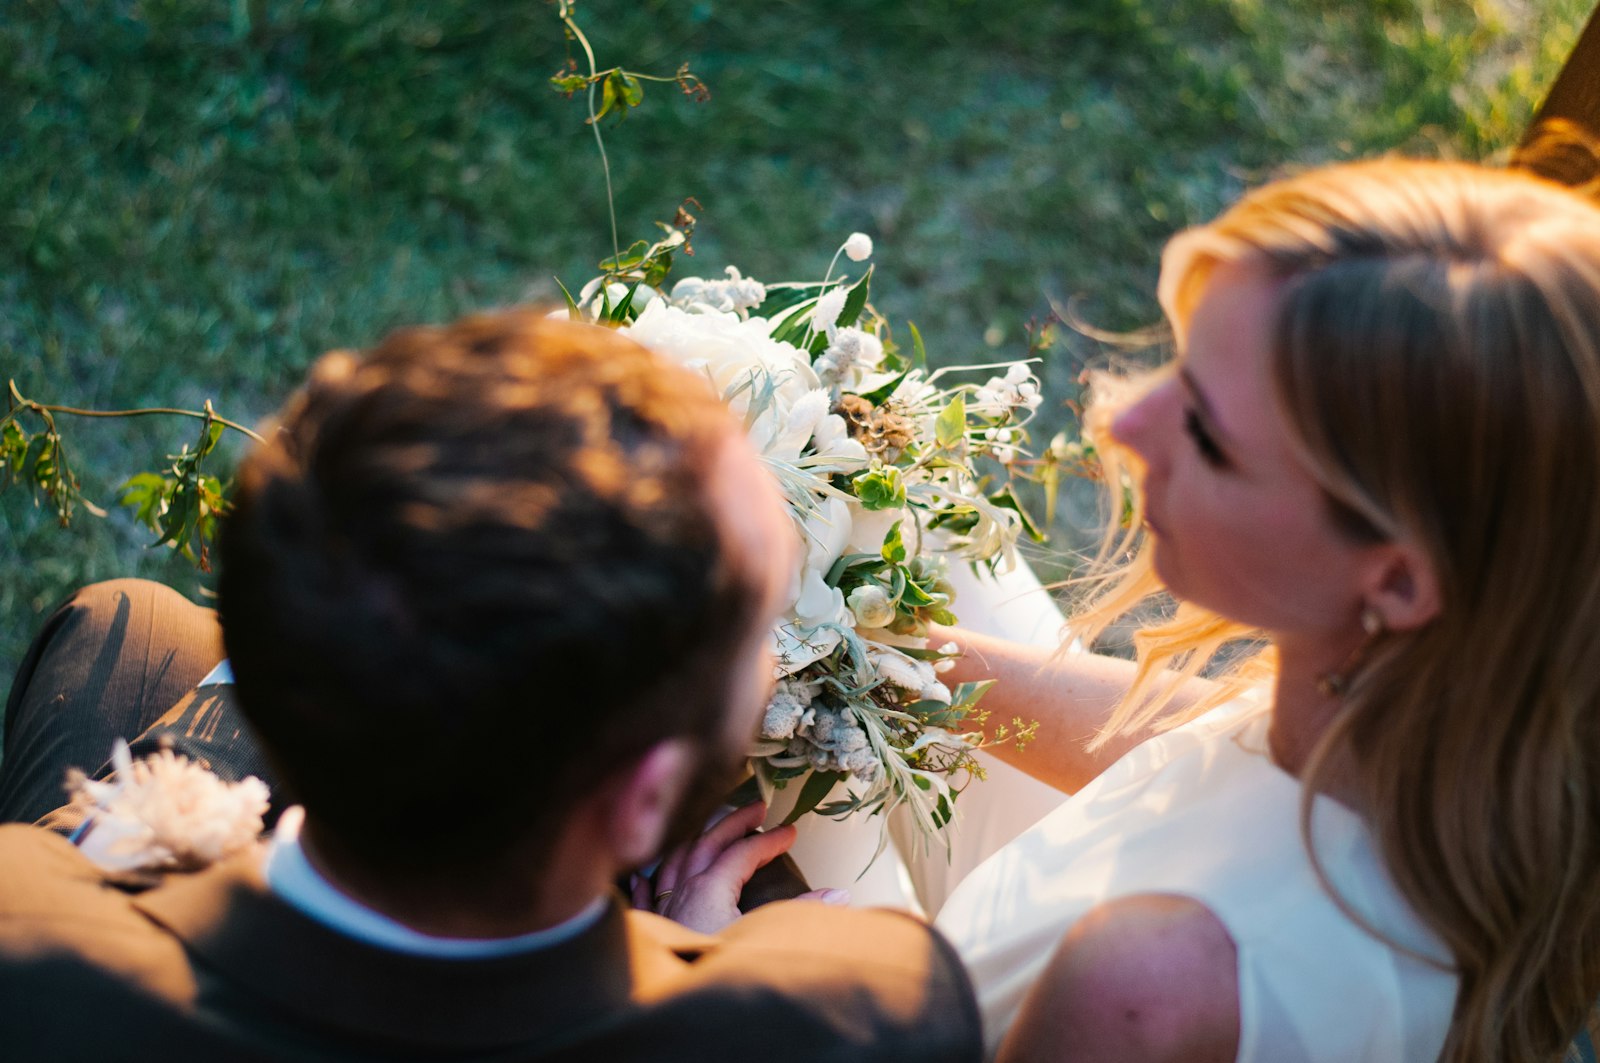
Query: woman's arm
x=1072, y=695
x=1143, y=979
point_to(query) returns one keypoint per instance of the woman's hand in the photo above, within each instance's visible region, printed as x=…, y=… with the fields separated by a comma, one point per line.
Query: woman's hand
x=699, y=884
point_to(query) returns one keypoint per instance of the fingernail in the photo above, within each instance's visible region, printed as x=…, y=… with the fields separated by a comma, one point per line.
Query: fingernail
x=839, y=897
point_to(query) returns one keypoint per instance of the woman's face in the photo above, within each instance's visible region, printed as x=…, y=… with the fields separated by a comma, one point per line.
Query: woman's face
x=1239, y=525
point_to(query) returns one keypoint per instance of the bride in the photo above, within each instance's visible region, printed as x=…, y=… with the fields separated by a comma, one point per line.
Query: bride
x=1378, y=838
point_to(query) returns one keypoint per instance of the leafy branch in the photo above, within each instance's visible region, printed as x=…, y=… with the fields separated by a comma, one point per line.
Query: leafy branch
x=620, y=90
x=181, y=504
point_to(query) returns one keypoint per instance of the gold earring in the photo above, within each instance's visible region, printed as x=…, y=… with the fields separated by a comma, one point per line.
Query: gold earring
x=1334, y=684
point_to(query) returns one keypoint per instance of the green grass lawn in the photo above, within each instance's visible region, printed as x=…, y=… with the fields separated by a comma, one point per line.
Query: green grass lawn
x=197, y=198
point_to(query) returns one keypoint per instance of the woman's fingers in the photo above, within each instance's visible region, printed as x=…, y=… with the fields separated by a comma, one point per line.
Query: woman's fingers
x=692, y=858
x=709, y=901
x=726, y=831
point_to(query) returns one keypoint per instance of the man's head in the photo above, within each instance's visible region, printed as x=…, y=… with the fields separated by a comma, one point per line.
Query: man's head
x=474, y=574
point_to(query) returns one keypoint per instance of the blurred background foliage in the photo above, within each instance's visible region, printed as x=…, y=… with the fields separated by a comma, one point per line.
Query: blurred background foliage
x=199, y=196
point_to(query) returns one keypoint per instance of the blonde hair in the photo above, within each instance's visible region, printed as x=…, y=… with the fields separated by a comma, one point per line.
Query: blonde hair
x=1459, y=309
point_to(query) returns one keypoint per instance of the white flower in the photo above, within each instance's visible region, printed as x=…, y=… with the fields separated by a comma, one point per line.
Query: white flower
x=734, y=295
x=830, y=305
x=737, y=355
x=790, y=438
x=871, y=606
x=1016, y=390
x=858, y=247
x=834, y=742
x=832, y=442
x=913, y=676
x=789, y=709
x=166, y=812
x=850, y=352
x=817, y=602
x=826, y=534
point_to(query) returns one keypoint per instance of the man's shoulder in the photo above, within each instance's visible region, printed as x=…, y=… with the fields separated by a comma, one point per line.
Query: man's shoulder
x=68, y=936
x=813, y=974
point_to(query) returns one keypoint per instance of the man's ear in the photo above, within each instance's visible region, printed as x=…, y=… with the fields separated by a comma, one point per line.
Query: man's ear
x=644, y=797
x=1402, y=586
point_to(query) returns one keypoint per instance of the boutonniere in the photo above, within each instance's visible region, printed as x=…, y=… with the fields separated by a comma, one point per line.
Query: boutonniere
x=164, y=812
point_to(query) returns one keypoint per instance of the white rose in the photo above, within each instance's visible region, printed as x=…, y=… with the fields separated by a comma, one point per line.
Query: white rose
x=731, y=352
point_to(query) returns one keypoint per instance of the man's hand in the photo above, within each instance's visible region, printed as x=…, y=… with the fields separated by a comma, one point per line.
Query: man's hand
x=699, y=884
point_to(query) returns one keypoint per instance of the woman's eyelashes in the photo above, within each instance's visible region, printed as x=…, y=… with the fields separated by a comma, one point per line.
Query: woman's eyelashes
x=1203, y=440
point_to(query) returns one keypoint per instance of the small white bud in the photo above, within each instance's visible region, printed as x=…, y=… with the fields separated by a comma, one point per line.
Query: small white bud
x=859, y=247
x=871, y=606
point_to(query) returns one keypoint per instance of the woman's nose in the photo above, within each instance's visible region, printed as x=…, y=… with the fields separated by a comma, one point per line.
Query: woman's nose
x=1138, y=425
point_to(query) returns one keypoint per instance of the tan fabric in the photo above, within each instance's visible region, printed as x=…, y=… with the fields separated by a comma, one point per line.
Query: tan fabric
x=211, y=966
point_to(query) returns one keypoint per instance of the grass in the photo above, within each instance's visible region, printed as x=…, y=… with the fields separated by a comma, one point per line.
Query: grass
x=197, y=198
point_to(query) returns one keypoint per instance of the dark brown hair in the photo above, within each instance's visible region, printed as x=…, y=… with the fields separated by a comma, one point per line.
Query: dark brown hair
x=474, y=571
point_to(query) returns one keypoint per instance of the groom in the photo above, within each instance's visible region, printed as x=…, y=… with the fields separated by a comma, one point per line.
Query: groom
x=495, y=602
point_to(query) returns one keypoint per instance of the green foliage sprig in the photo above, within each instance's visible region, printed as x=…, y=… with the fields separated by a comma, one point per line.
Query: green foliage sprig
x=620, y=91
x=181, y=503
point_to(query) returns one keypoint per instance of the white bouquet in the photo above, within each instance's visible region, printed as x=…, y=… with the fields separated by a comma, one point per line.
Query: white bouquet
x=876, y=456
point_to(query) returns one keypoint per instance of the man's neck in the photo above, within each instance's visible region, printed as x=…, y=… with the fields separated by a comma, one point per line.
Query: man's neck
x=502, y=905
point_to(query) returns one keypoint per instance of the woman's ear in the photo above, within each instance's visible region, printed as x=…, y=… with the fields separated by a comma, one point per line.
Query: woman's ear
x=1403, y=587
x=644, y=798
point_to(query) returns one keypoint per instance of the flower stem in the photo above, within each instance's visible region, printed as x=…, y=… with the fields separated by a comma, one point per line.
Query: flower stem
x=46, y=409
x=565, y=14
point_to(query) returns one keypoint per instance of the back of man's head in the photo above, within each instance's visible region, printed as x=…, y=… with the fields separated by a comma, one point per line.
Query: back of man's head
x=471, y=572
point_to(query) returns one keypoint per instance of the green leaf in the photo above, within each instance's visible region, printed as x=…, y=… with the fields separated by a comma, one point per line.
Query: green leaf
x=966, y=695
x=608, y=97
x=792, y=328
x=1006, y=498
x=959, y=520
x=619, y=313
x=567, y=84
x=877, y=396
x=1050, y=476
x=894, y=547
x=36, y=461
x=208, y=439
x=917, y=348
x=815, y=789
x=951, y=426
x=943, y=811
x=629, y=88
x=871, y=563
x=573, y=313
x=856, y=301
x=629, y=259
x=144, y=493
x=13, y=451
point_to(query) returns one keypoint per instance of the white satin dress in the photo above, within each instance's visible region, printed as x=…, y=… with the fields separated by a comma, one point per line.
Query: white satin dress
x=1203, y=812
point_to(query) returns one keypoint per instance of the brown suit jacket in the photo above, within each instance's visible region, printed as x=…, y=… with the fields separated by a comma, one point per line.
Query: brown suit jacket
x=212, y=966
